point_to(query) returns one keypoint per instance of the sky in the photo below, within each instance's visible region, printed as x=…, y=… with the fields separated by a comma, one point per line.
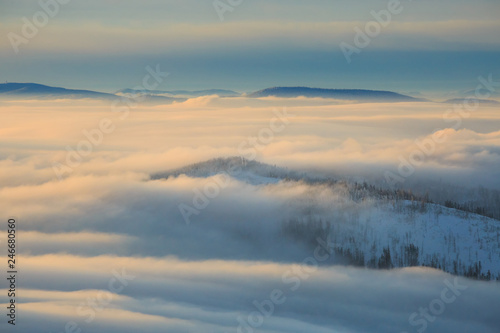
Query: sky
x=103, y=246
x=427, y=46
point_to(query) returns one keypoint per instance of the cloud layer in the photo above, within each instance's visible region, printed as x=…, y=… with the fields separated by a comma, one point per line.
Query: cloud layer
x=106, y=249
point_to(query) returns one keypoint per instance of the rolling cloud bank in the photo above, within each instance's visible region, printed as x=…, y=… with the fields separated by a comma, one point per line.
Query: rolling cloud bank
x=120, y=230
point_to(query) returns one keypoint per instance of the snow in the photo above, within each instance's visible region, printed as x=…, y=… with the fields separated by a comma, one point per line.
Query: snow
x=366, y=223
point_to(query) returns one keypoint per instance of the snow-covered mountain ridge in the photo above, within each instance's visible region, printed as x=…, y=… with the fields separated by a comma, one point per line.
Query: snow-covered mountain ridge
x=372, y=227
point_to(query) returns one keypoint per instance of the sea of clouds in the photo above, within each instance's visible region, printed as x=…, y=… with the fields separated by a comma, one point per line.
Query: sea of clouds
x=103, y=247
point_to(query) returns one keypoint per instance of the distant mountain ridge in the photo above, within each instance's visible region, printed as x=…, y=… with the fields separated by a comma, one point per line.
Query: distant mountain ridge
x=35, y=90
x=40, y=90
x=480, y=101
x=347, y=94
x=190, y=93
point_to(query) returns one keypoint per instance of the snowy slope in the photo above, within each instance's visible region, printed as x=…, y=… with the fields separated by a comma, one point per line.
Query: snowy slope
x=365, y=221
x=442, y=235
x=239, y=168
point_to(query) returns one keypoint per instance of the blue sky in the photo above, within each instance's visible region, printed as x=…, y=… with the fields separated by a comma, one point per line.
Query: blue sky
x=106, y=45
